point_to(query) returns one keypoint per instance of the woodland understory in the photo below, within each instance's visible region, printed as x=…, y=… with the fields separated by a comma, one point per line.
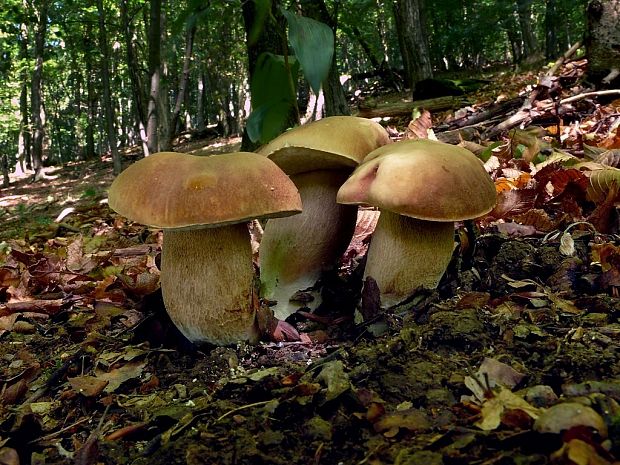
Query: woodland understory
x=513, y=359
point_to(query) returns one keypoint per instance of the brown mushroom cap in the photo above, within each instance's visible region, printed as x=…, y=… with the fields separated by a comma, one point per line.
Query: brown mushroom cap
x=177, y=190
x=329, y=143
x=422, y=179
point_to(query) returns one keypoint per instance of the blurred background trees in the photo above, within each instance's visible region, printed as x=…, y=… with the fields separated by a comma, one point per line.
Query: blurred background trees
x=82, y=78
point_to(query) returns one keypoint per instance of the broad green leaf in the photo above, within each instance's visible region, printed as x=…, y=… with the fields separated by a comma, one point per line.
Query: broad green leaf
x=313, y=43
x=261, y=14
x=268, y=121
x=272, y=81
x=273, y=96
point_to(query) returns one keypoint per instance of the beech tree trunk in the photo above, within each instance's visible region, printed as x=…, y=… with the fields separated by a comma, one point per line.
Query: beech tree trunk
x=602, y=41
x=551, y=30
x=36, y=89
x=182, y=91
x=24, y=140
x=412, y=39
x=530, y=46
x=136, y=84
x=105, y=81
x=152, y=127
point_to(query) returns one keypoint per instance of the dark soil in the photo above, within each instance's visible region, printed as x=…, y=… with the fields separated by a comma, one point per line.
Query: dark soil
x=398, y=389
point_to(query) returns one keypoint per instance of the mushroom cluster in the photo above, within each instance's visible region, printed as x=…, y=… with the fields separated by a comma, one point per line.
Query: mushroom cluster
x=421, y=188
x=203, y=205
x=295, y=251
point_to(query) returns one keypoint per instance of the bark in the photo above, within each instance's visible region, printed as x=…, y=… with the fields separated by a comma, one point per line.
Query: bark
x=368, y=110
x=136, y=84
x=200, y=98
x=182, y=91
x=24, y=141
x=551, y=30
x=152, y=127
x=603, y=40
x=36, y=98
x=105, y=80
x=91, y=97
x=412, y=39
x=524, y=10
x=335, y=99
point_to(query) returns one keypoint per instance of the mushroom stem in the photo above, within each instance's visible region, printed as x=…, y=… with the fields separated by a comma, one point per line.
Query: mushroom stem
x=207, y=283
x=406, y=254
x=295, y=250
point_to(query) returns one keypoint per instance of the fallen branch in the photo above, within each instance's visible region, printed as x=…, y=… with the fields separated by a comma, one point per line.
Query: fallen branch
x=374, y=110
x=574, y=98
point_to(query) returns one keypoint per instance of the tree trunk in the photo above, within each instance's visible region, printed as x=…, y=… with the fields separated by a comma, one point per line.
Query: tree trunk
x=91, y=97
x=182, y=92
x=200, y=98
x=36, y=89
x=603, y=42
x=335, y=100
x=136, y=85
x=24, y=140
x=551, y=30
x=412, y=39
x=524, y=10
x=152, y=126
x=105, y=80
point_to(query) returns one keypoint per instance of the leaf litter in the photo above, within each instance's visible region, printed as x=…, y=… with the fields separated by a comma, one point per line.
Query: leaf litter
x=515, y=358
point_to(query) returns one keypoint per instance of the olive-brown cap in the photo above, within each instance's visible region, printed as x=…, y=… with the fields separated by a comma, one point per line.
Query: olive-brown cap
x=334, y=142
x=177, y=190
x=423, y=179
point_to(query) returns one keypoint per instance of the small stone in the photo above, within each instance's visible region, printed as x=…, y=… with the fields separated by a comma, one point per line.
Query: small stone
x=541, y=396
x=564, y=416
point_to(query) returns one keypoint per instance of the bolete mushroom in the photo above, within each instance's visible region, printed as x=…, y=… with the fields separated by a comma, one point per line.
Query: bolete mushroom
x=421, y=187
x=318, y=157
x=203, y=205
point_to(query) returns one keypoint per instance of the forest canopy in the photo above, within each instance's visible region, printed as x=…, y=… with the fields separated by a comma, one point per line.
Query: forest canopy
x=80, y=79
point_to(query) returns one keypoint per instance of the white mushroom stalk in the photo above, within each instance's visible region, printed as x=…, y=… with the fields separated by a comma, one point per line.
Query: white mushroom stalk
x=318, y=156
x=422, y=187
x=203, y=204
x=407, y=254
x=296, y=250
x=210, y=268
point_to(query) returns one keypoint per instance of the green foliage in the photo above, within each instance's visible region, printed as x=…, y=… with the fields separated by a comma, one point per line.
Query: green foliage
x=273, y=86
x=273, y=95
x=313, y=43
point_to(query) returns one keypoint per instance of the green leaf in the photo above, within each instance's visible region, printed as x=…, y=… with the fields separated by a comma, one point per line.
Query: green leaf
x=272, y=80
x=261, y=15
x=273, y=96
x=313, y=43
x=268, y=121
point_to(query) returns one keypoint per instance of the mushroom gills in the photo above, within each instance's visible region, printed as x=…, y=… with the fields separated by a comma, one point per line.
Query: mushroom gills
x=207, y=283
x=407, y=254
x=296, y=250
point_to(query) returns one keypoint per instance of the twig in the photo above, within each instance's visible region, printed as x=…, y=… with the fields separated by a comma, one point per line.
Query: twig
x=560, y=61
x=574, y=98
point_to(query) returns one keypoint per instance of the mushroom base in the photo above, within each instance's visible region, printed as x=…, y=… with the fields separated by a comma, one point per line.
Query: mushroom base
x=406, y=254
x=207, y=281
x=296, y=250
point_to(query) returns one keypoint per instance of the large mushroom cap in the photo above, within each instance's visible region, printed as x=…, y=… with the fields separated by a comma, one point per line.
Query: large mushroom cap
x=177, y=190
x=422, y=179
x=329, y=143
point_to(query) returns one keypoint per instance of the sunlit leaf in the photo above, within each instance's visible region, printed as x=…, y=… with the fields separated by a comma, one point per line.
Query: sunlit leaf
x=313, y=43
x=601, y=182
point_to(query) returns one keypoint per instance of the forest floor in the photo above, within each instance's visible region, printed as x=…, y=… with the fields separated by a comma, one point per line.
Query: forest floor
x=514, y=359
